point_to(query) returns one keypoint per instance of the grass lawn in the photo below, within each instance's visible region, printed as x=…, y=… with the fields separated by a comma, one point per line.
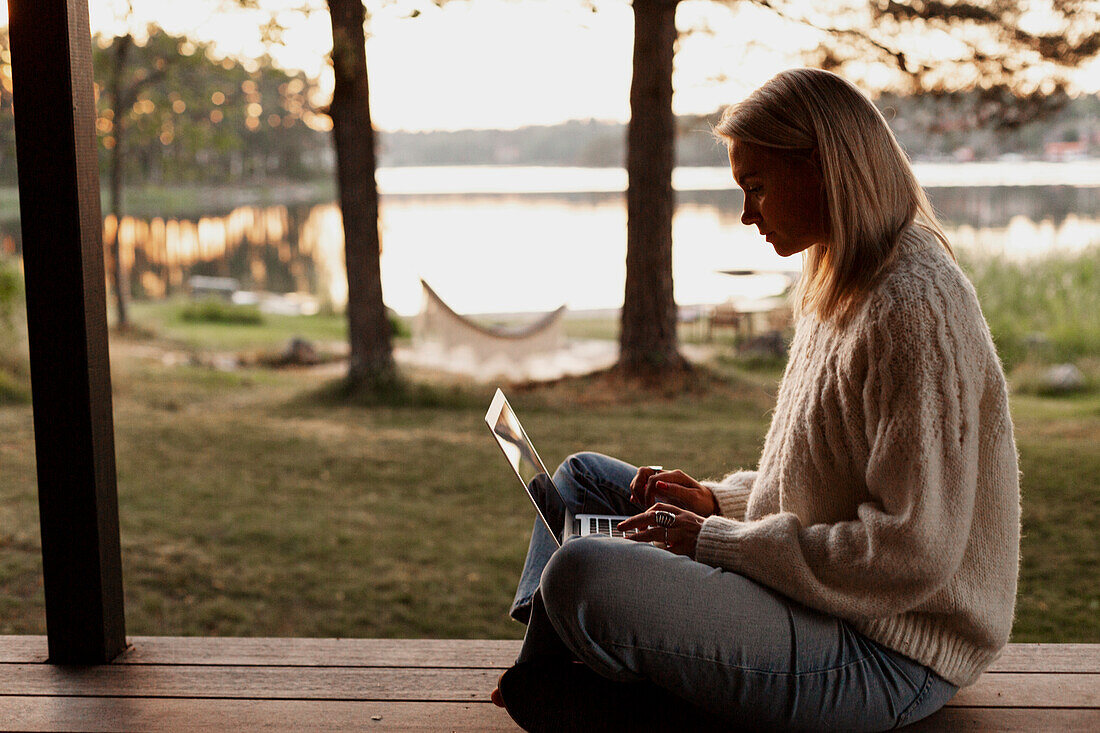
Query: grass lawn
x=251, y=507
x=1059, y=597
x=166, y=320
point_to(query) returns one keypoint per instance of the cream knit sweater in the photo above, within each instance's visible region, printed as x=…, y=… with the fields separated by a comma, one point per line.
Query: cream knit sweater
x=887, y=492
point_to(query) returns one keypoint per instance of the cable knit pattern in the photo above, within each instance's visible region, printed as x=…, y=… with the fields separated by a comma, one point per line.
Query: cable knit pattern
x=887, y=491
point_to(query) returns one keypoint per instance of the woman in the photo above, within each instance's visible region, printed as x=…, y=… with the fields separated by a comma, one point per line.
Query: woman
x=867, y=568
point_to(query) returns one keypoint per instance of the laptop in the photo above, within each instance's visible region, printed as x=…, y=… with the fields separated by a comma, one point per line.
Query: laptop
x=536, y=481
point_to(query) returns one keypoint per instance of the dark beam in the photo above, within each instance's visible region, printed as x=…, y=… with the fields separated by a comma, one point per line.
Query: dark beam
x=67, y=328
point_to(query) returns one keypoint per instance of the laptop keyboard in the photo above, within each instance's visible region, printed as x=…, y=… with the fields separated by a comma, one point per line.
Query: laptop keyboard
x=600, y=525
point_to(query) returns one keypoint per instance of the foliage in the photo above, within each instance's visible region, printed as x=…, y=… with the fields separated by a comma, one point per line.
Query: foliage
x=14, y=387
x=399, y=327
x=581, y=143
x=213, y=310
x=1043, y=309
x=935, y=125
x=7, y=121
x=192, y=116
x=1021, y=69
x=164, y=318
x=11, y=294
x=1032, y=377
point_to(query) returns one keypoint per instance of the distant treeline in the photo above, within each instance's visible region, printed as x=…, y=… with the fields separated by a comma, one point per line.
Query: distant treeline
x=587, y=143
x=956, y=125
x=926, y=126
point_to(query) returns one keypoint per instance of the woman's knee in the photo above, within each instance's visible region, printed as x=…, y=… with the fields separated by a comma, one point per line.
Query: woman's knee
x=602, y=481
x=591, y=576
x=569, y=566
x=590, y=595
x=580, y=464
x=575, y=574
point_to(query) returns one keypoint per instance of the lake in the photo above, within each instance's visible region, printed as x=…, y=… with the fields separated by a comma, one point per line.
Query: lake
x=508, y=240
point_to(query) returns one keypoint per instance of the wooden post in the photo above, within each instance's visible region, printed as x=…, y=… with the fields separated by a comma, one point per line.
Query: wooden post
x=67, y=328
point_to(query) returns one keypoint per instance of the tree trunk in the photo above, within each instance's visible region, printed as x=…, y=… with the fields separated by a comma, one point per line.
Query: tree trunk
x=114, y=205
x=648, y=343
x=371, y=361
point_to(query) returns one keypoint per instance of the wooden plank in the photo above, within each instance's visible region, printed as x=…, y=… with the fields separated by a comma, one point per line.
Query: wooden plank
x=264, y=683
x=424, y=653
x=198, y=650
x=1013, y=690
x=1009, y=720
x=1048, y=658
x=23, y=649
x=473, y=653
x=1066, y=690
x=94, y=714
x=67, y=328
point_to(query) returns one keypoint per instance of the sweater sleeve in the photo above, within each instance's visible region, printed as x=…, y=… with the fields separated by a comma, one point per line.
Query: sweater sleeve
x=919, y=414
x=732, y=493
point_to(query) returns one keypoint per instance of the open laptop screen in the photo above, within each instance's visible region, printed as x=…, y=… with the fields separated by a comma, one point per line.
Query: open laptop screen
x=527, y=465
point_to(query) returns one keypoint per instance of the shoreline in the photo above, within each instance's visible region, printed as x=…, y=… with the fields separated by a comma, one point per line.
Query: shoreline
x=500, y=180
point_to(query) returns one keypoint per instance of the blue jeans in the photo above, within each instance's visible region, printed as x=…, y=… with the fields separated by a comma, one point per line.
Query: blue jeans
x=716, y=639
x=589, y=483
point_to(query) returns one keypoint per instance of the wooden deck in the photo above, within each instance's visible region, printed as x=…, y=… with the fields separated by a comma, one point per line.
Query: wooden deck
x=222, y=684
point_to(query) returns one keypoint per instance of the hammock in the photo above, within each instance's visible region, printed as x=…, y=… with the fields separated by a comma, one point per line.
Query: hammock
x=449, y=341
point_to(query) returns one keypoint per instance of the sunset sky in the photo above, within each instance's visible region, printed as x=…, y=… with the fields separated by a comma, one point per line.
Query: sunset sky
x=491, y=63
x=508, y=63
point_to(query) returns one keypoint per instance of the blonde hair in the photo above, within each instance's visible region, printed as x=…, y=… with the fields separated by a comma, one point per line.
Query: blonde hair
x=871, y=192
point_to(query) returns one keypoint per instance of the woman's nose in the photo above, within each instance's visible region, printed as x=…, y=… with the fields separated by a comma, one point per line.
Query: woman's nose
x=750, y=215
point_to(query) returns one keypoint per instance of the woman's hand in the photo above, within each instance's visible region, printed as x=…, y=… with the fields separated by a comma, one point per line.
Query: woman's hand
x=680, y=537
x=672, y=487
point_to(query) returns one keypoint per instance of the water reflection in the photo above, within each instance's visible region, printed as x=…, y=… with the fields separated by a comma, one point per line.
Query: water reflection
x=264, y=248
x=533, y=252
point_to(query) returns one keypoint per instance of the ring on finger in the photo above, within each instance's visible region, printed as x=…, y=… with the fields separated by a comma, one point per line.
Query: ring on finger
x=664, y=519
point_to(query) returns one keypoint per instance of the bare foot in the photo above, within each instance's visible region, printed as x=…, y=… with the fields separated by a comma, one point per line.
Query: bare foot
x=495, y=695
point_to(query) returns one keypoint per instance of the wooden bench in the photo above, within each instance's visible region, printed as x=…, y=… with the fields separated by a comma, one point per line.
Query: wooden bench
x=223, y=684
x=725, y=315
